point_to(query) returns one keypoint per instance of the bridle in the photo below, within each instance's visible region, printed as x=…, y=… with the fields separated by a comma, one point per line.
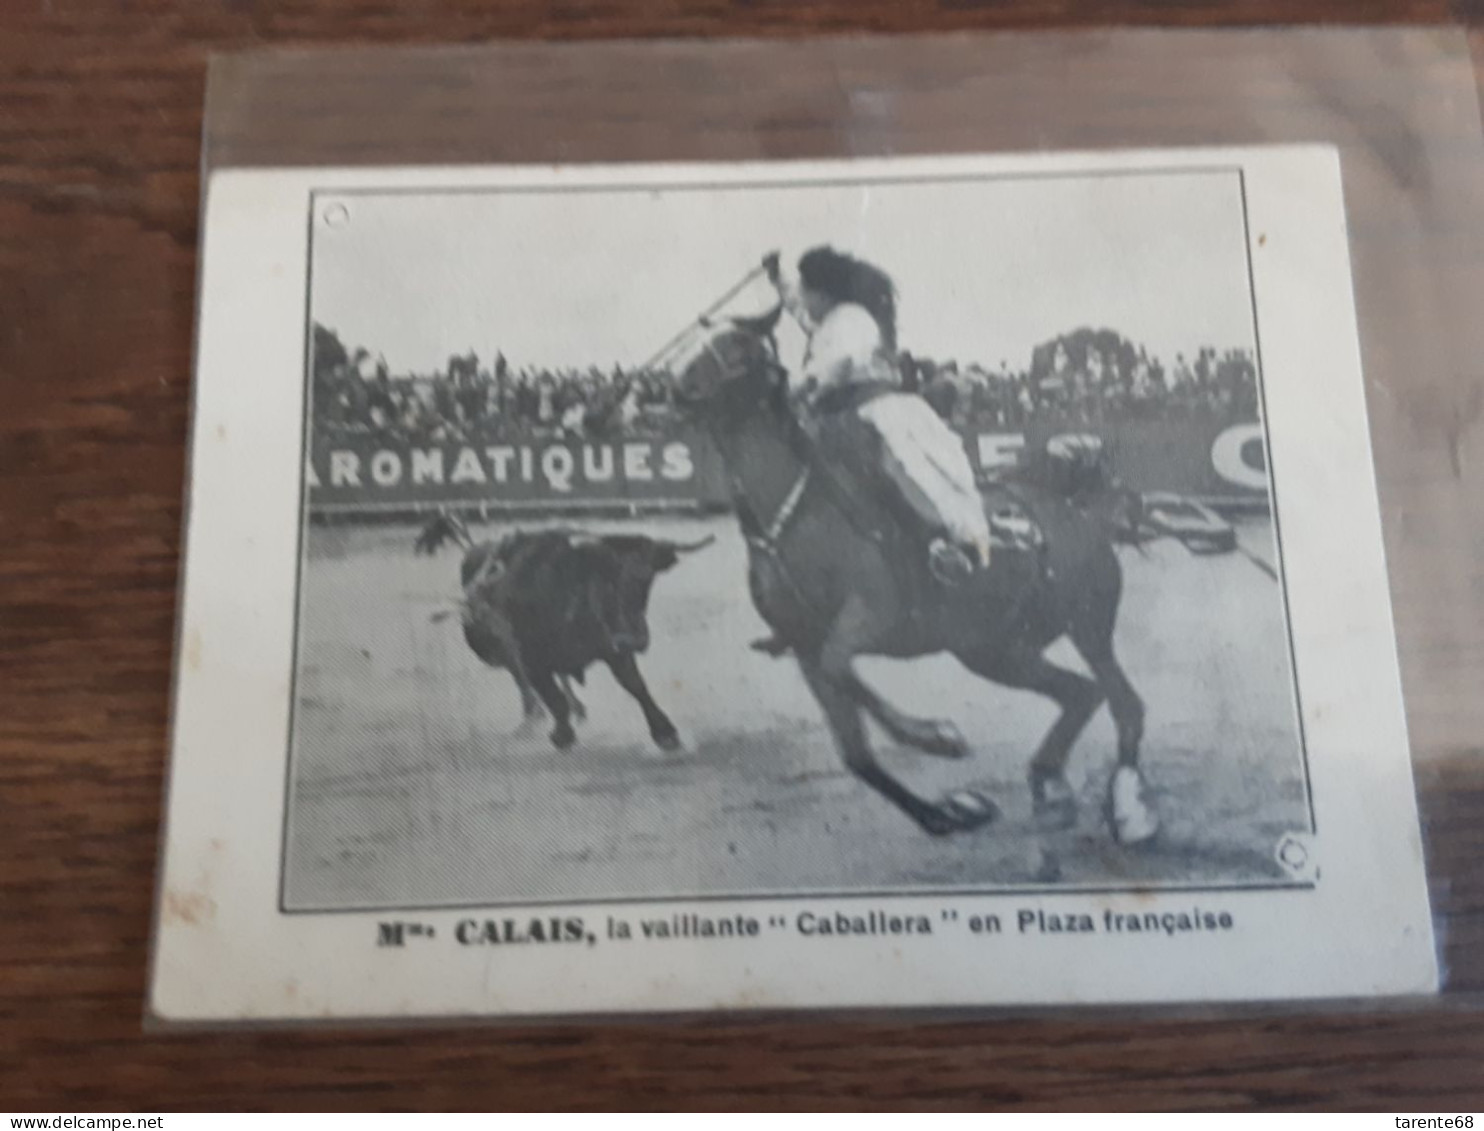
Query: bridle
x=765, y=538
x=761, y=538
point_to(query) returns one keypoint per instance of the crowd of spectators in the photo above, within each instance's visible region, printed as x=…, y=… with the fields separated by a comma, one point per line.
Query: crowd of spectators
x=466, y=402
x=1085, y=377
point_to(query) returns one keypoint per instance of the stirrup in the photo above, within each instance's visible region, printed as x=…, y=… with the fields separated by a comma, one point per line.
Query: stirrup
x=948, y=562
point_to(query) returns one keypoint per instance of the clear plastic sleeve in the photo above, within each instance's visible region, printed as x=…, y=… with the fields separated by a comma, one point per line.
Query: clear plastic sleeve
x=1399, y=103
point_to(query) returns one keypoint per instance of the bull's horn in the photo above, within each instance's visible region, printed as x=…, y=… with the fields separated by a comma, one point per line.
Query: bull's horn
x=691, y=547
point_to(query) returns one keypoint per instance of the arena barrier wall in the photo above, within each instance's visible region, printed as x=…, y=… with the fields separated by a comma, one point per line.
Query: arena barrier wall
x=1212, y=458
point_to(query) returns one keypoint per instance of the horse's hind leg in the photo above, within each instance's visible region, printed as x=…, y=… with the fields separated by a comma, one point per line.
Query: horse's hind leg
x=1123, y=701
x=1076, y=695
x=1130, y=816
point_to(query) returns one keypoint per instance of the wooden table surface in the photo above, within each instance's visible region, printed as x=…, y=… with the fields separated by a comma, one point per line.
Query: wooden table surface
x=100, y=118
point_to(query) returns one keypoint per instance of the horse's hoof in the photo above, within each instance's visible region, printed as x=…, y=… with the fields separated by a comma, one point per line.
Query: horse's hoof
x=935, y=822
x=947, y=741
x=1137, y=829
x=961, y=811
x=1053, y=803
x=528, y=726
x=563, y=737
x=667, y=742
x=1131, y=819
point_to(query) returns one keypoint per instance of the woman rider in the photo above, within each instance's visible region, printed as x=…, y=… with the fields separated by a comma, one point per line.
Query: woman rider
x=847, y=307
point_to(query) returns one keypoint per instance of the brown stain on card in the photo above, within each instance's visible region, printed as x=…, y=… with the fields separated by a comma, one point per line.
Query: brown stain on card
x=191, y=908
x=191, y=904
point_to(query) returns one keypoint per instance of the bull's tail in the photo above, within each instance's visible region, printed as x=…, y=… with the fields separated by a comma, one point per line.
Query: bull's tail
x=443, y=527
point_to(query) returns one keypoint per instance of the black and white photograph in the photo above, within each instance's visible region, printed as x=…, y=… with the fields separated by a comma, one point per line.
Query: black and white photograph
x=867, y=536
x=911, y=582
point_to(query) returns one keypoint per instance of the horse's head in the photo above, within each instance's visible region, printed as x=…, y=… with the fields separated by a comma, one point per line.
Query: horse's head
x=734, y=367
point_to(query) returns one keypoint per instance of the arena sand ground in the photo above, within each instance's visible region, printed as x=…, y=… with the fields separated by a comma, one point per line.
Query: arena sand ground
x=410, y=788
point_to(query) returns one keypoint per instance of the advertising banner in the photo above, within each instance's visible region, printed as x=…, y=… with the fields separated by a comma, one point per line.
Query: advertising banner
x=1205, y=457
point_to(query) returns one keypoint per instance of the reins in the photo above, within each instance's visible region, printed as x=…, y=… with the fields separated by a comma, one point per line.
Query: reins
x=765, y=537
x=682, y=335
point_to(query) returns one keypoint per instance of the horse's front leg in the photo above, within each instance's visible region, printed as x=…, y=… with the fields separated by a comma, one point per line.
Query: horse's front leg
x=932, y=736
x=830, y=673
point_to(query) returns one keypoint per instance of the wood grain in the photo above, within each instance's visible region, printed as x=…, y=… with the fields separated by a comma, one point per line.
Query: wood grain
x=100, y=115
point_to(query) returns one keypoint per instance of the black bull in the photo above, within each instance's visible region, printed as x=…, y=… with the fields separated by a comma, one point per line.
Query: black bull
x=547, y=605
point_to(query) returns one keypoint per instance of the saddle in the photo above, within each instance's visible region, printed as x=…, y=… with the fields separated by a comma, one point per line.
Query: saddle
x=1011, y=525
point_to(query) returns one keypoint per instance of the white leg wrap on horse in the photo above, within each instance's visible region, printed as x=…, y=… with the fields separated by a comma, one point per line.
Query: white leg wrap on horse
x=1134, y=821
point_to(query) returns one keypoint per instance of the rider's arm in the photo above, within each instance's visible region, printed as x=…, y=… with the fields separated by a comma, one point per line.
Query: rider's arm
x=789, y=290
x=842, y=345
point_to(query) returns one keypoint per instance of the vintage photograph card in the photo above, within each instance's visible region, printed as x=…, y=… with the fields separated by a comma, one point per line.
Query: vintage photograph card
x=932, y=582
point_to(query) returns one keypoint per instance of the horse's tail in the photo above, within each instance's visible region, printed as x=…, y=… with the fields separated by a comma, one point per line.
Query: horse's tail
x=443, y=527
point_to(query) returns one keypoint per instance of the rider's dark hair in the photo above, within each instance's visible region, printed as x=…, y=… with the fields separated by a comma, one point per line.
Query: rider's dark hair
x=844, y=278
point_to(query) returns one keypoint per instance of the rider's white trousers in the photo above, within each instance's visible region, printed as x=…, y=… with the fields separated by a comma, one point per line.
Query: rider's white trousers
x=924, y=454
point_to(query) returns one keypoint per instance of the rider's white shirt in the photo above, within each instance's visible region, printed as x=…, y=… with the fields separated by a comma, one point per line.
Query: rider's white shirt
x=843, y=347
x=846, y=346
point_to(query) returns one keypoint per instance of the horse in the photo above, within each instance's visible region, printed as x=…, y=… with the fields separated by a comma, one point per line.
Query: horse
x=833, y=577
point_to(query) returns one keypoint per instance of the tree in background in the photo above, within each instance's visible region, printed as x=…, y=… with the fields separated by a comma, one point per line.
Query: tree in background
x=1079, y=346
